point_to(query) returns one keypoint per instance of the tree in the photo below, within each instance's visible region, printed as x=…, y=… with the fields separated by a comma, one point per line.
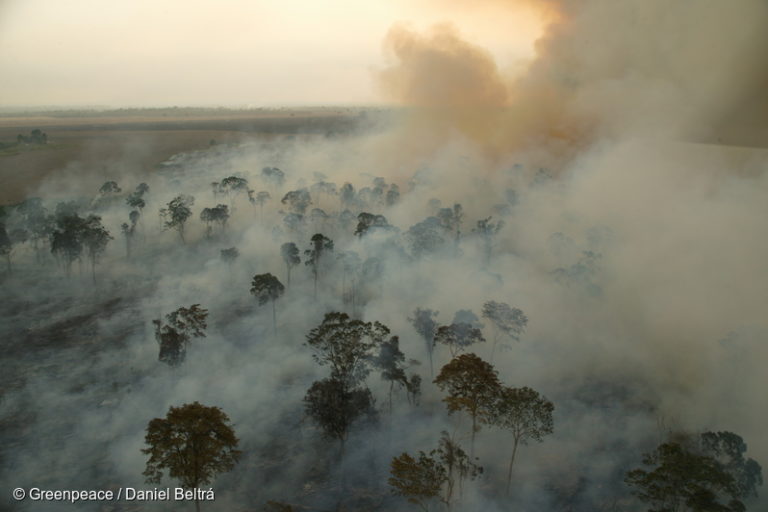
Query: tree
x=129, y=230
x=457, y=464
x=686, y=475
x=219, y=214
x=334, y=406
x=420, y=480
x=347, y=195
x=297, y=200
x=261, y=199
x=95, y=238
x=525, y=413
x=194, y=443
x=177, y=213
x=451, y=219
x=66, y=239
x=347, y=346
x=109, y=188
x=175, y=335
x=426, y=237
x=390, y=360
x=231, y=186
x=290, y=254
x=368, y=222
x=229, y=255
x=273, y=175
x=472, y=384
x=5, y=245
x=488, y=230
x=424, y=323
x=506, y=320
x=458, y=336
x=267, y=288
x=320, y=245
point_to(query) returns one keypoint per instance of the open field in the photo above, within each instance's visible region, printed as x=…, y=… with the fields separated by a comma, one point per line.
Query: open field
x=92, y=142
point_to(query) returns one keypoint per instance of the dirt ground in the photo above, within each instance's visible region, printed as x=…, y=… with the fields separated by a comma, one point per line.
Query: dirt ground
x=95, y=142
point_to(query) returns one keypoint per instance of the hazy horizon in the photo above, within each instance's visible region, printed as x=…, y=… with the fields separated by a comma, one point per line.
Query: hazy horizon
x=231, y=54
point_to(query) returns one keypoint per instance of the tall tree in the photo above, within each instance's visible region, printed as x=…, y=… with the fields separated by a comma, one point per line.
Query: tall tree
x=177, y=332
x=523, y=412
x=458, y=336
x=95, y=238
x=218, y=214
x=685, y=476
x=391, y=362
x=267, y=288
x=471, y=384
x=506, y=321
x=335, y=406
x=347, y=346
x=297, y=200
x=177, y=212
x=194, y=443
x=320, y=245
x=5, y=245
x=457, y=464
x=67, y=239
x=419, y=479
x=488, y=230
x=424, y=323
x=290, y=254
x=368, y=223
x=261, y=199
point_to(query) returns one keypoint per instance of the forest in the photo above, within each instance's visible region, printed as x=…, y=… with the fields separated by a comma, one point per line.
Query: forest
x=356, y=341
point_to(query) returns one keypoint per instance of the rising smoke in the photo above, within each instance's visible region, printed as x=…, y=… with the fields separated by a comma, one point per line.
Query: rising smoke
x=631, y=241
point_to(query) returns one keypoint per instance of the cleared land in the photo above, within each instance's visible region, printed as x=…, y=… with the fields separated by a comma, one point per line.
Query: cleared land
x=94, y=141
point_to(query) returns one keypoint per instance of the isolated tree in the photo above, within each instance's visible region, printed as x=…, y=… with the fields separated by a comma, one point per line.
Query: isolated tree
x=458, y=336
x=267, y=288
x=5, y=245
x=193, y=443
x=458, y=465
x=290, y=255
x=347, y=195
x=419, y=480
x=109, y=188
x=261, y=199
x=232, y=186
x=506, y=321
x=218, y=214
x=472, y=385
x=347, y=346
x=424, y=323
x=393, y=195
x=175, y=335
x=136, y=198
x=321, y=244
x=297, y=200
x=488, y=230
x=229, y=256
x=704, y=473
x=368, y=223
x=67, y=240
x=525, y=414
x=451, y=219
x=728, y=450
x=426, y=237
x=95, y=238
x=177, y=213
x=390, y=361
x=273, y=175
x=334, y=406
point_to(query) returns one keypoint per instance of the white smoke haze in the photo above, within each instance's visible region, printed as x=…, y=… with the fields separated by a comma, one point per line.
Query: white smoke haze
x=632, y=240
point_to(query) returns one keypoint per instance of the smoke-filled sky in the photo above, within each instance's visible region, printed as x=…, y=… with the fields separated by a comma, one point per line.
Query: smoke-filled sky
x=226, y=52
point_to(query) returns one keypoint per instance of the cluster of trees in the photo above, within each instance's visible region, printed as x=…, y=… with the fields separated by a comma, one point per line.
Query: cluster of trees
x=36, y=136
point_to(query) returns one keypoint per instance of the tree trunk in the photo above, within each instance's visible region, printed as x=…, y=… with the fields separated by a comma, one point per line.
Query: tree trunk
x=93, y=270
x=288, y=266
x=274, y=317
x=511, y=462
x=472, y=439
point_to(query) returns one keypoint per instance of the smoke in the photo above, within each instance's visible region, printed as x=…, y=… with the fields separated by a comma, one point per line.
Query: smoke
x=637, y=255
x=685, y=71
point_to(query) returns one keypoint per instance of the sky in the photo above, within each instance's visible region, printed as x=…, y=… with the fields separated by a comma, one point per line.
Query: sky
x=227, y=52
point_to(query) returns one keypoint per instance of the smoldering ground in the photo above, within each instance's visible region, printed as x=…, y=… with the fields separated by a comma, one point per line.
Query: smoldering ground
x=635, y=253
